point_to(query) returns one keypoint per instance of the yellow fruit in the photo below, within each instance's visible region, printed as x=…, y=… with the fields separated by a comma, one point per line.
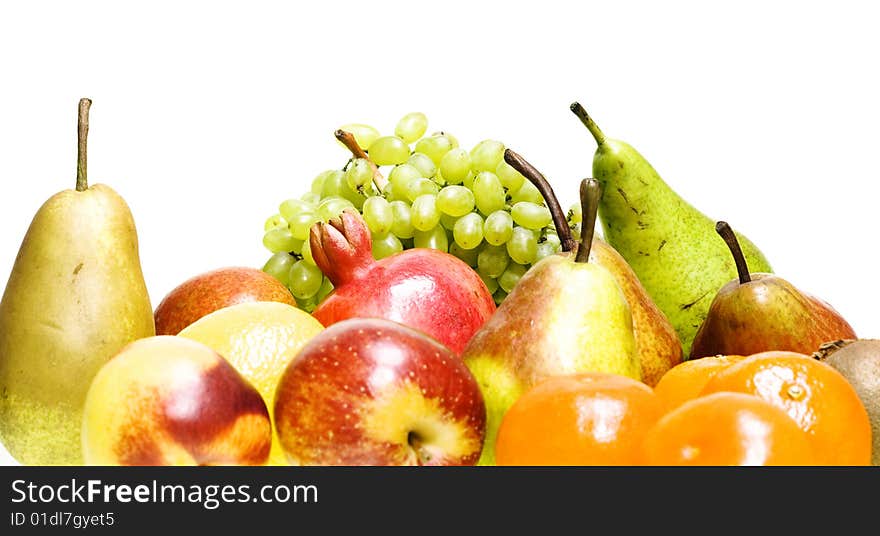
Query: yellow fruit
x=259, y=339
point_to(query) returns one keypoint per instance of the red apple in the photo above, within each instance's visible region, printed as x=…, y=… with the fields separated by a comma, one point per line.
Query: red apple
x=207, y=292
x=370, y=391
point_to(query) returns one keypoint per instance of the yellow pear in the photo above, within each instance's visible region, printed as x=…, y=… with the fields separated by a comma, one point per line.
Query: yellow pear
x=76, y=296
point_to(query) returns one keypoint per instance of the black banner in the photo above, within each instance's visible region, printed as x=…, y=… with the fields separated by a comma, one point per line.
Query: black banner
x=50, y=500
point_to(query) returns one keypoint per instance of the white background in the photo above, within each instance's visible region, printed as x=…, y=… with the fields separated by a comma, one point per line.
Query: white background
x=207, y=115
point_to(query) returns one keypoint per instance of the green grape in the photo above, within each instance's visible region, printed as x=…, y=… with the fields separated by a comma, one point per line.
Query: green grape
x=307, y=305
x=425, y=215
x=498, y=227
x=530, y=215
x=388, y=151
x=438, y=178
x=402, y=226
x=455, y=200
x=452, y=139
x=544, y=249
x=434, y=238
x=411, y=127
x=305, y=280
x=291, y=207
x=274, y=221
x=488, y=192
x=378, y=215
x=423, y=163
x=509, y=177
x=281, y=239
x=511, y=276
x=386, y=245
x=403, y=173
x=301, y=224
x=493, y=260
x=455, y=165
x=434, y=147
x=447, y=221
x=335, y=185
x=391, y=192
x=417, y=187
x=325, y=290
x=359, y=174
x=499, y=295
x=523, y=245
x=278, y=266
x=306, y=252
x=364, y=135
x=490, y=282
x=468, y=181
x=468, y=231
x=469, y=256
x=311, y=198
x=320, y=178
x=552, y=238
x=331, y=207
x=486, y=155
x=574, y=215
x=527, y=192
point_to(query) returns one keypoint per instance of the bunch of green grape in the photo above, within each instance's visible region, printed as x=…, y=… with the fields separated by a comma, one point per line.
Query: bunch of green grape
x=470, y=203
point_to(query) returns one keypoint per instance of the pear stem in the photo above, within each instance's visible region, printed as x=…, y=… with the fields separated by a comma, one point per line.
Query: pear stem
x=588, y=122
x=82, y=181
x=723, y=229
x=591, y=191
x=347, y=139
x=534, y=176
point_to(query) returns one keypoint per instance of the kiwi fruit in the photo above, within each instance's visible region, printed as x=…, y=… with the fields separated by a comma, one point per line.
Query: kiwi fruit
x=859, y=361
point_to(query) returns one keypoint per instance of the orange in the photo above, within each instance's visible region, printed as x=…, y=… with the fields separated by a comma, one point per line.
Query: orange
x=819, y=399
x=580, y=419
x=687, y=379
x=727, y=429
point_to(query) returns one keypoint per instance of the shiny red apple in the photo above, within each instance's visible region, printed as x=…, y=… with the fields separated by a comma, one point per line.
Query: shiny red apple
x=426, y=289
x=369, y=391
x=216, y=289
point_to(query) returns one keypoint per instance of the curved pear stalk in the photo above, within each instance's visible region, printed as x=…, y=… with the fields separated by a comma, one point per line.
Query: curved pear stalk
x=658, y=344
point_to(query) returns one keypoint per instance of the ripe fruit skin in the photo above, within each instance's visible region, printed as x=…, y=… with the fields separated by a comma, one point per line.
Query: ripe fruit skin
x=426, y=289
x=590, y=418
x=686, y=380
x=816, y=396
x=259, y=339
x=369, y=391
x=859, y=362
x=727, y=429
x=168, y=400
x=207, y=292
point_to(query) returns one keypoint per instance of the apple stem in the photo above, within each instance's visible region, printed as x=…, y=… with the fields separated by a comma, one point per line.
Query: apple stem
x=534, y=176
x=591, y=191
x=742, y=269
x=588, y=122
x=82, y=181
x=348, y=139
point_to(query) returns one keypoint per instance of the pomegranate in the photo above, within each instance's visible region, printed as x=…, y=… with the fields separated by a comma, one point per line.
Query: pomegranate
x=426, y=289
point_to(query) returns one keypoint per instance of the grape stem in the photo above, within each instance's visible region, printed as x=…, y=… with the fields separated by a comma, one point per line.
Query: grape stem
x=742, y=268
x=534, y=176
x=82, y=181
x=591, y=191
x=347, y=139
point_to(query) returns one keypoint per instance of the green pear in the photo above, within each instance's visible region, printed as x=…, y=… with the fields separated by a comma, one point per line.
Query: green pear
x=670, y=244
x=564, y=316
x=75, y=297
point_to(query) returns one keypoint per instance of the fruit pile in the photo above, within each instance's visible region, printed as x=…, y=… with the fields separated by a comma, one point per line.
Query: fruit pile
x=449, y=314
x=470, y=203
